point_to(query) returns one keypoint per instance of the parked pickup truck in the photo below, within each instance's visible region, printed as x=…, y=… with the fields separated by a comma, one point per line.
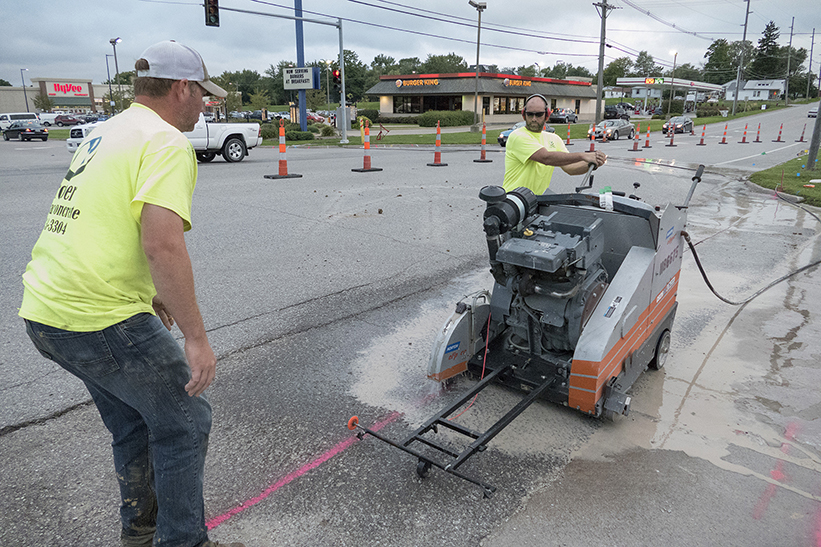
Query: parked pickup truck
x=231, y=140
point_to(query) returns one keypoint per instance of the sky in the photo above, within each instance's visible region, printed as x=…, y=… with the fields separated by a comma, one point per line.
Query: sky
x=70, y=39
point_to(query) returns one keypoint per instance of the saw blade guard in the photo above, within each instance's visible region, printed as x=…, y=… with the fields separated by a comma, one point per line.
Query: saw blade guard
x=460, y=338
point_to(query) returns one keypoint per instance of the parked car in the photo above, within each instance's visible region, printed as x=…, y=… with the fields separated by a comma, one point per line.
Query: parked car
x=316, y=118
x=682, y=124
x=563, y=115
x=47, y=118
x=505, y=134
x=613, y=111
x=77, y=134
x=7, y=119
x=627, y=106
x=209, y=116
x=813, y=113
x=229, y=140
x=283, y=115
x=25, y=130
x=65, y=119
x=612, y=129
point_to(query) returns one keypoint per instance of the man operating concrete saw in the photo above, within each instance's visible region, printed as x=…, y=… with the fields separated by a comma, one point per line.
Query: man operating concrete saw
x=531, y=154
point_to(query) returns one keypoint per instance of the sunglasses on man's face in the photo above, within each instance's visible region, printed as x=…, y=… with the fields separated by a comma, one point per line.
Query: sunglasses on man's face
x=535, y=114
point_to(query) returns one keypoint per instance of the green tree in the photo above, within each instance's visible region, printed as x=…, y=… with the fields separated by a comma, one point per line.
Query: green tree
x=274, y=80
x=645, y=66
x=563, y=71
x=383, y=64
x=45, y=104
x=315, y=99
x=685, y=72
x=123, y=78
x=408, y=65
x=232, y=101
x=618, y=68
x=356, y=76
x=528, y=71
x=247, y=81
x=259, y=100
x=719, y=67
x=121, y=100
x=798, y=75
x=4, y=82
x=767, y=61
x=443, y=64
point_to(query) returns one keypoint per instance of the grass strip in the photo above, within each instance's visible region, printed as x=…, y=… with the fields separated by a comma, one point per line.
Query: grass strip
x=793, y=177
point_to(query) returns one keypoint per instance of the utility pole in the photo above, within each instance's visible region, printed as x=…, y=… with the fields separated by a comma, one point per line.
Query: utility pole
x=741, y=58
x=605, y=7
x=787, y=79
x=814, y=141
x=809, y=66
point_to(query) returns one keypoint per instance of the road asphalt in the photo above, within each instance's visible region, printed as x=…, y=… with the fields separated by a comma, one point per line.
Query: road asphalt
x=322, y=296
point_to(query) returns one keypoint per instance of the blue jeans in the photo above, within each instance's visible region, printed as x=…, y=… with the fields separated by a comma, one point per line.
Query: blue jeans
x=136, y=373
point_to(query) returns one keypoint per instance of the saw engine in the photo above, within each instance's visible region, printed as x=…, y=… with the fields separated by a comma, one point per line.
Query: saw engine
x=549, y=276
x=583, y=299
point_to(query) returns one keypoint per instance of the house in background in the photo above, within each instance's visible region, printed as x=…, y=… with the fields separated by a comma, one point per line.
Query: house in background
x=755, y=90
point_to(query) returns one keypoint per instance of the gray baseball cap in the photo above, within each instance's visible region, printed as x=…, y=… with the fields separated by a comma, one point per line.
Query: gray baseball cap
x=171, y=60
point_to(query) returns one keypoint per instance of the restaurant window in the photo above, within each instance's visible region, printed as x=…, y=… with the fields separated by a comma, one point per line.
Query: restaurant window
x=407, y=105
x=508, y=105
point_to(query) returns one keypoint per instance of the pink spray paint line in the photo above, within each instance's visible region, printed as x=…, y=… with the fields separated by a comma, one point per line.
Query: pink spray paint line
x=290, y=477
x=777, y=474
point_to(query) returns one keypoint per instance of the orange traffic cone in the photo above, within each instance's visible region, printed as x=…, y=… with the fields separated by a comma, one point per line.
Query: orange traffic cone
x=482, y=156
x=437, y=154
x=647, y=142
x=635, y=140
x=779, y=134
x=703, y=132
x=366, y=166
x=724, y=138
x=802, y=134
x=283, y=161
x=744, y=138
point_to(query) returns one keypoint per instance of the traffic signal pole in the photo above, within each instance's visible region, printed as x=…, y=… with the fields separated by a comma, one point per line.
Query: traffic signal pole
x=338, y=25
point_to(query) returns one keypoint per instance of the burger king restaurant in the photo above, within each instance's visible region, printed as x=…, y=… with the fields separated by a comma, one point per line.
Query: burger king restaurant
x=501, y=96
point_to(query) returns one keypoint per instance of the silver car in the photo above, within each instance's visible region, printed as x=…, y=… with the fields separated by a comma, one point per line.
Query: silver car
x=612, y=130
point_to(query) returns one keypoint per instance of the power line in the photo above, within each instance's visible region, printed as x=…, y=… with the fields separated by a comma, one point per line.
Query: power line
x=419, y=33
x=663, y=21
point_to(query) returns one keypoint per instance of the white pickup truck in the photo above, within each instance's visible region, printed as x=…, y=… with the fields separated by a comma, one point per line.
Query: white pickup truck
x=231, y=140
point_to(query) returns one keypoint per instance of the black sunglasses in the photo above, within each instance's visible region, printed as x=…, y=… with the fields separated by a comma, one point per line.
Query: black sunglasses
x=535, y=114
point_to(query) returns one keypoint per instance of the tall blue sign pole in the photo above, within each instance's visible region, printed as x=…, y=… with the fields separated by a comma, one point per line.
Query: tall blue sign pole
x=300, y=62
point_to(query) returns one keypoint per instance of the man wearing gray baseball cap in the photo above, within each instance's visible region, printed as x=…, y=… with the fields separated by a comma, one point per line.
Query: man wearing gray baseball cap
x=109, y=277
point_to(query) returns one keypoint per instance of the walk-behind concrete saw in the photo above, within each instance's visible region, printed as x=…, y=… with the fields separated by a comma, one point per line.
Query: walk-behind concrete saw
x=583, y=303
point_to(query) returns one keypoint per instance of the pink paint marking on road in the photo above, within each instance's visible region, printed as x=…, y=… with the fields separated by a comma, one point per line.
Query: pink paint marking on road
x=290, y=477
x=777, y=474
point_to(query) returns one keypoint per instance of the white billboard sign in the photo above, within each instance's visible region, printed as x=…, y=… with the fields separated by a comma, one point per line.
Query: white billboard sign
x=298, y=78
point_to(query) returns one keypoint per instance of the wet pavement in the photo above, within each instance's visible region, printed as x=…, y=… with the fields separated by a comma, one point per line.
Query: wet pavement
x=322, y=297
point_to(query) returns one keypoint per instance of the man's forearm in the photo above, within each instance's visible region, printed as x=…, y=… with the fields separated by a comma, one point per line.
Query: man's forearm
x=170, y=265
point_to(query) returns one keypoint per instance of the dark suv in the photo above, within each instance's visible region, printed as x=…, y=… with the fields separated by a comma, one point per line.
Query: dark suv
x=63, y=119
x=612, y=112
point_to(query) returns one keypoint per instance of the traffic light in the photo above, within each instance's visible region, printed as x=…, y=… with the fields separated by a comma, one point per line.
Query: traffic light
x=212, y=13
x=337, y=81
